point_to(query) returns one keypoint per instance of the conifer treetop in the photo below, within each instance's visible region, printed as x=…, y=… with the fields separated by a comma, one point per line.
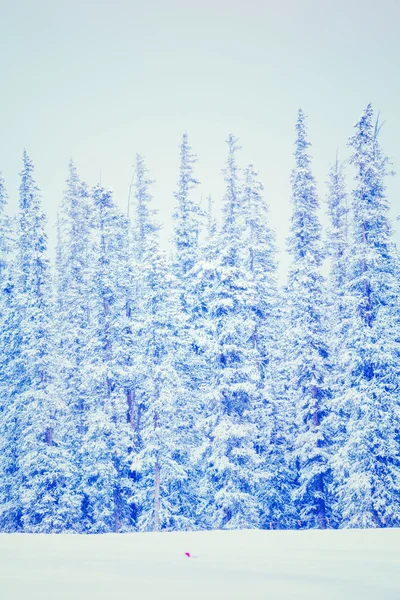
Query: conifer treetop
x=305, y=227
x=28, y=188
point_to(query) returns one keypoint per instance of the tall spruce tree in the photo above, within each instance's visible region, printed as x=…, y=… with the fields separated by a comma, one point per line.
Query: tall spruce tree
x=164, y=493
x=187, y=219
x=307, y=362
x=74, y=300
x=338, y=255
x=261, y=260
x=42, y=463
x=8, y=341
x=187, y=269
x=107, y=438
x=5, y=233
x=204, y=360
x=273, y=491
x=367, y=465
x=231, y=461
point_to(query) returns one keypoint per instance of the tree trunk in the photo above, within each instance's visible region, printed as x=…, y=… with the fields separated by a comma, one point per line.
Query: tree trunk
x=157, y=497
x=49, y=436
x=117, y=510
x=321, y=516
x=131, y=411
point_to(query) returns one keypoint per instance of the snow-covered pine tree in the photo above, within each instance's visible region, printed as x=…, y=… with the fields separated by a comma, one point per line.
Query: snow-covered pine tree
x=8, y=340
x=307, y=361
x=187, y=220
x=107, y=437
x=204, y=361
x=74, y=298
x=337, y=251
x=143, y=235
x=230, y=460
x=164, y=496
x=367, y=465
x=41, y=478
x=5, y=233
x=262, y=267
x=187, y=268
x=273, y=491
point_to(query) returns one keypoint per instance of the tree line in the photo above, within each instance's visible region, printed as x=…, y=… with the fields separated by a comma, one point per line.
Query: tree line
x=142, y=392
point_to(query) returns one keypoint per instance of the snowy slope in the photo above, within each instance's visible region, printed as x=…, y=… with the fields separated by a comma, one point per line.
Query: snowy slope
x=274, y=565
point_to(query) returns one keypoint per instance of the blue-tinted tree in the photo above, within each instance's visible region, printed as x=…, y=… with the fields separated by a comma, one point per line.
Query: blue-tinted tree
x=74, y=299
x=273, y=490
x=307, y=361
x=367, y=469
x=230, y=460
x=8, y=341
x=107, y=438
x=42, y=476
x=164, y=493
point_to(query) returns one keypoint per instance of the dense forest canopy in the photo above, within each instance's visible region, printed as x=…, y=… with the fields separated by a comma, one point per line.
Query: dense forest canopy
x=145, y=391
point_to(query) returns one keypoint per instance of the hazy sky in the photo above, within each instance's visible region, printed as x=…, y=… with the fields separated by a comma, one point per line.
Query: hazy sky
x=101, y=80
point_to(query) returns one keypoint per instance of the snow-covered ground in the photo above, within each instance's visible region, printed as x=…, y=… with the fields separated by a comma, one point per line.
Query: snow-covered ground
x=250, y=565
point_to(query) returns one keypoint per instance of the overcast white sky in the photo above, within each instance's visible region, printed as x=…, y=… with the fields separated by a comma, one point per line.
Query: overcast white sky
x=100, y=80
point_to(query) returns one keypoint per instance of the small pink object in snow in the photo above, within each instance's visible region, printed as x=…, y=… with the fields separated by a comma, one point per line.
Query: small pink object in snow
x=187, y=554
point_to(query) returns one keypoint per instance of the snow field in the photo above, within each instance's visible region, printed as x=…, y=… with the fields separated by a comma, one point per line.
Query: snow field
x=229, y=565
